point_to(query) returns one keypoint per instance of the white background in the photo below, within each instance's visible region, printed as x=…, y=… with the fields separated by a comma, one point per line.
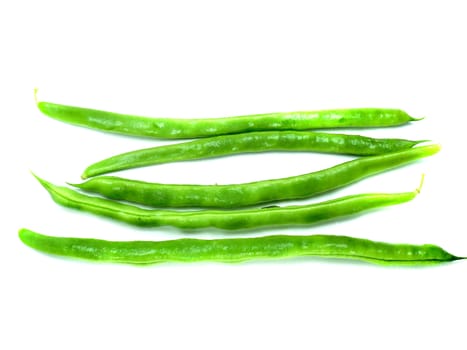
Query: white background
x=217, y=58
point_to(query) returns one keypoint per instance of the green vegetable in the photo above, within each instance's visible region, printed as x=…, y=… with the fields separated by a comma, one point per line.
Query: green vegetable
x=237, y=195
x=192, y=128
x=262, y=141
x=238, y=249
x=229, y=220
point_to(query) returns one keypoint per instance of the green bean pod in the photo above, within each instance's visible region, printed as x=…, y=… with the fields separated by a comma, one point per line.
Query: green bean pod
x=262, y=141
x=227, y=220
x=247, y=194
x=170, y=128
x=231, y=250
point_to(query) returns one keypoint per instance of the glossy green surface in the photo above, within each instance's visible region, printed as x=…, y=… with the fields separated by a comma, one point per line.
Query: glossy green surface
x=228, y=220
x=247, y=194
x=170, y=128
x=237, y=249
x=262, y=141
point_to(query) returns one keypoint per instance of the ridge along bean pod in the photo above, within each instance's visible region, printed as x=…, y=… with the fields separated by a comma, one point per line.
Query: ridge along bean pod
x=262, y=141
x=247, y=194
x=231, y=250
x=170, y=128
x=228, y=220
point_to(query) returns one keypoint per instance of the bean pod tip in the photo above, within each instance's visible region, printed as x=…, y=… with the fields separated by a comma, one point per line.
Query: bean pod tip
x=35, y=95
x=43, y=182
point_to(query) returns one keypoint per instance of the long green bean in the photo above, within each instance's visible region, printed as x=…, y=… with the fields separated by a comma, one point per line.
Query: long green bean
x=171, y=128
x=232, y=250
x=262, y=141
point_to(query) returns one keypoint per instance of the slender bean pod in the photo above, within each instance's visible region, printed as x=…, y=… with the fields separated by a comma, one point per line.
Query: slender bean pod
x=228, y=220
x=247, y=194
x=169, y=128
x=262, y=141
x=233, y=250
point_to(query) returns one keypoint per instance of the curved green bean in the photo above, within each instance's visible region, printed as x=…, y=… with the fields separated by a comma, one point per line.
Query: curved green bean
x=262, y=141
x=247, y=194
x=170, y=128
x=232, y=250
x=228, y=220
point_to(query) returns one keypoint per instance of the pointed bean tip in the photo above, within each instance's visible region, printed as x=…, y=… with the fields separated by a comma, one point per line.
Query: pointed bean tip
x=35, y=94
x=35, y=176
x=47, y=185
x=419, y=188
x=413, y=119
x=73, y=184
x=421, y=141
x=455, y=257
